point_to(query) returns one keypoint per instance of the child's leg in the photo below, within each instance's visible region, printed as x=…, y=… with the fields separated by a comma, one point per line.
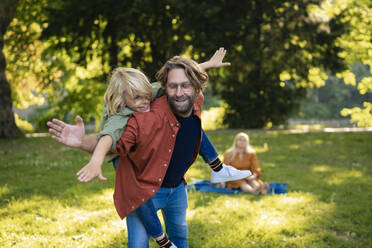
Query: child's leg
x=208, y=152
x=147, y=214
x=150, y=219
x=115, y=162
x=221, y=172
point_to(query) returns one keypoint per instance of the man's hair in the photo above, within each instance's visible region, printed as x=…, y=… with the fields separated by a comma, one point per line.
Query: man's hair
x=193, y=72
x=127, y=82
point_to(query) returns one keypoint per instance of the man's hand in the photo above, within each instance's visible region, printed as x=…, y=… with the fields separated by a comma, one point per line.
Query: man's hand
x=89, y=172
x=69, y=135
x=216, y=60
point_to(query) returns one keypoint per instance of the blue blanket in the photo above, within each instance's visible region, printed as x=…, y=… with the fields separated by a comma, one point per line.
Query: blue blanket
x=207, y=186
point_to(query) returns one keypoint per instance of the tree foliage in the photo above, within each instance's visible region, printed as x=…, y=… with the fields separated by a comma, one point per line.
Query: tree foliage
x=326, y=102
x=277, y=50
x=358, y=49
x=276, y=47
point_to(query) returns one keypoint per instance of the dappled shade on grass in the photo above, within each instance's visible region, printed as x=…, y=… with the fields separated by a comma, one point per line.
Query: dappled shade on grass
x=329, y=179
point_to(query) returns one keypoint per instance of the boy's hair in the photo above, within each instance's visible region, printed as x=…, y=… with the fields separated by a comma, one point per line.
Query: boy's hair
x=232, y=149
x=194, y=73
x=125, y=82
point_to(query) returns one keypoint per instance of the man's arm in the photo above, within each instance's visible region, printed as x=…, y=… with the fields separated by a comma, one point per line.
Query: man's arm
x=72, y=135
x=216, y=60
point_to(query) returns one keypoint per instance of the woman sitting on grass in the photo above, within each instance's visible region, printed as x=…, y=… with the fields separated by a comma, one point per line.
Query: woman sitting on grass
x=243, y=157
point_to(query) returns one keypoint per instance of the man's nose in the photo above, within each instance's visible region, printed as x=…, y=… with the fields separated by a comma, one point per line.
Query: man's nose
x=179, y=91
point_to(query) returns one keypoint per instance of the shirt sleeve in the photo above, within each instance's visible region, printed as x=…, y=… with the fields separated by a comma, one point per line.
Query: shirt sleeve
x=157, y=91
x=255, y=166
x=114, y=126
x=128, y=140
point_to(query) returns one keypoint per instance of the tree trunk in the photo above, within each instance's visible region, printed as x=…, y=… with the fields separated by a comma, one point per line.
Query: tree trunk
x=8, y=128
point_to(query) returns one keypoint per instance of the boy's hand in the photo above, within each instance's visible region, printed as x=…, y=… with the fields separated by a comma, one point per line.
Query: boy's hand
x=69, y=135
x=217, y=58
x=89, y=172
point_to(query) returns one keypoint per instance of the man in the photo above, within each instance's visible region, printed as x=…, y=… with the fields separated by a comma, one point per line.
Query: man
x=157, y=148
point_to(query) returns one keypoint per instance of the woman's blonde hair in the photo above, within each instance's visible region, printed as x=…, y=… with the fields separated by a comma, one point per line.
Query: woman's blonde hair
x=125, y=82
x=248, y=149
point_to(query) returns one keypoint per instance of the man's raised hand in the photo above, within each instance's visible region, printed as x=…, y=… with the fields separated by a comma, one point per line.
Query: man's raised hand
x=216, y=60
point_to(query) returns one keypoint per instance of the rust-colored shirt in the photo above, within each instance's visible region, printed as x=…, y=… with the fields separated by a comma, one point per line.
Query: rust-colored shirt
x=248, y=161
x=145, y=150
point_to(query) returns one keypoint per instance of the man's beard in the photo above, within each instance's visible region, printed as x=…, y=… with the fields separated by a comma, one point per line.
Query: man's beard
x=183, y=109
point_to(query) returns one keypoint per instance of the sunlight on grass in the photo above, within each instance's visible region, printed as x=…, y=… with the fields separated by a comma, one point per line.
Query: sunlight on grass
x=44, y=222
x=322, y=168
x=287, y=211
x=341, y=177
x=271, y=218
x=294, y=147
x=261, y=149
x=328, y=205
x=318, y=142
x=4, y=190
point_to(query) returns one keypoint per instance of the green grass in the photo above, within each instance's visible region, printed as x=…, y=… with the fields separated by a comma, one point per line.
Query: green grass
x=329, y=203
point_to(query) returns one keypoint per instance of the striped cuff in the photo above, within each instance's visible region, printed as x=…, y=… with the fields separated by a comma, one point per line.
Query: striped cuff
x=216, y=164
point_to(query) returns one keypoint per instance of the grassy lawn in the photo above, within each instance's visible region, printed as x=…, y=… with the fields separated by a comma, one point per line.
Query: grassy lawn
x=329, y=203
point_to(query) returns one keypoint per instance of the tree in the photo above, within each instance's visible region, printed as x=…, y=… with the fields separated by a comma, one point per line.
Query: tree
x=358, y=49
x=326, y=102
x=8, y=128
x=277, y=50
x=87, y=39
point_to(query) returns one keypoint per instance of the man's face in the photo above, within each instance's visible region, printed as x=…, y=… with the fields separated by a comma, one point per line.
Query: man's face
x=181, y=93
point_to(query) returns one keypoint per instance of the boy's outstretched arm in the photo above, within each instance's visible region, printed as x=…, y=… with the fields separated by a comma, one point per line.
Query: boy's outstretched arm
x=94, y=167
x=72, y=135
x=216, y=60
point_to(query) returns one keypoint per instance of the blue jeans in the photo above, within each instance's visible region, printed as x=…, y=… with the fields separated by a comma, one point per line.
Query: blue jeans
x=147, y=214
x=173, y=204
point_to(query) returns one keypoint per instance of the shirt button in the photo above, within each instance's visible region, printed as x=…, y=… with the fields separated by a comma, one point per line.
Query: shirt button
x=153, y=190
x=177, y=124
x=159, y=179
x=173, y=135
x=170, y=150
x=165, y=165
x=143, y=199
x=132, y=207
x=172, y=124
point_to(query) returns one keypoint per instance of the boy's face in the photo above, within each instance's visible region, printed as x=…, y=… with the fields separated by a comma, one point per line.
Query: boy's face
x=138, y=103
x=181, y=93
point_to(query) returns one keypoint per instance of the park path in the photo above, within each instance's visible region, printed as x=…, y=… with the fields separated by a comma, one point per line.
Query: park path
x=303, y=130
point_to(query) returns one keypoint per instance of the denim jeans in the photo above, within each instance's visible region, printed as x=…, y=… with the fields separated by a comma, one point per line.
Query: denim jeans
x=173, y=204
x=147, y=214
x=207, y=150
x=140, y=238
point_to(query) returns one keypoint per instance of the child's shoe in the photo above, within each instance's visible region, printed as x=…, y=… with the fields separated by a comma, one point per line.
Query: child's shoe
x=172, y=245
x=229, y=173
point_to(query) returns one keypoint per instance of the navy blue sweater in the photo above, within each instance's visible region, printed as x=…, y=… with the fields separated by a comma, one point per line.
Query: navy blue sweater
x=187, y=138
